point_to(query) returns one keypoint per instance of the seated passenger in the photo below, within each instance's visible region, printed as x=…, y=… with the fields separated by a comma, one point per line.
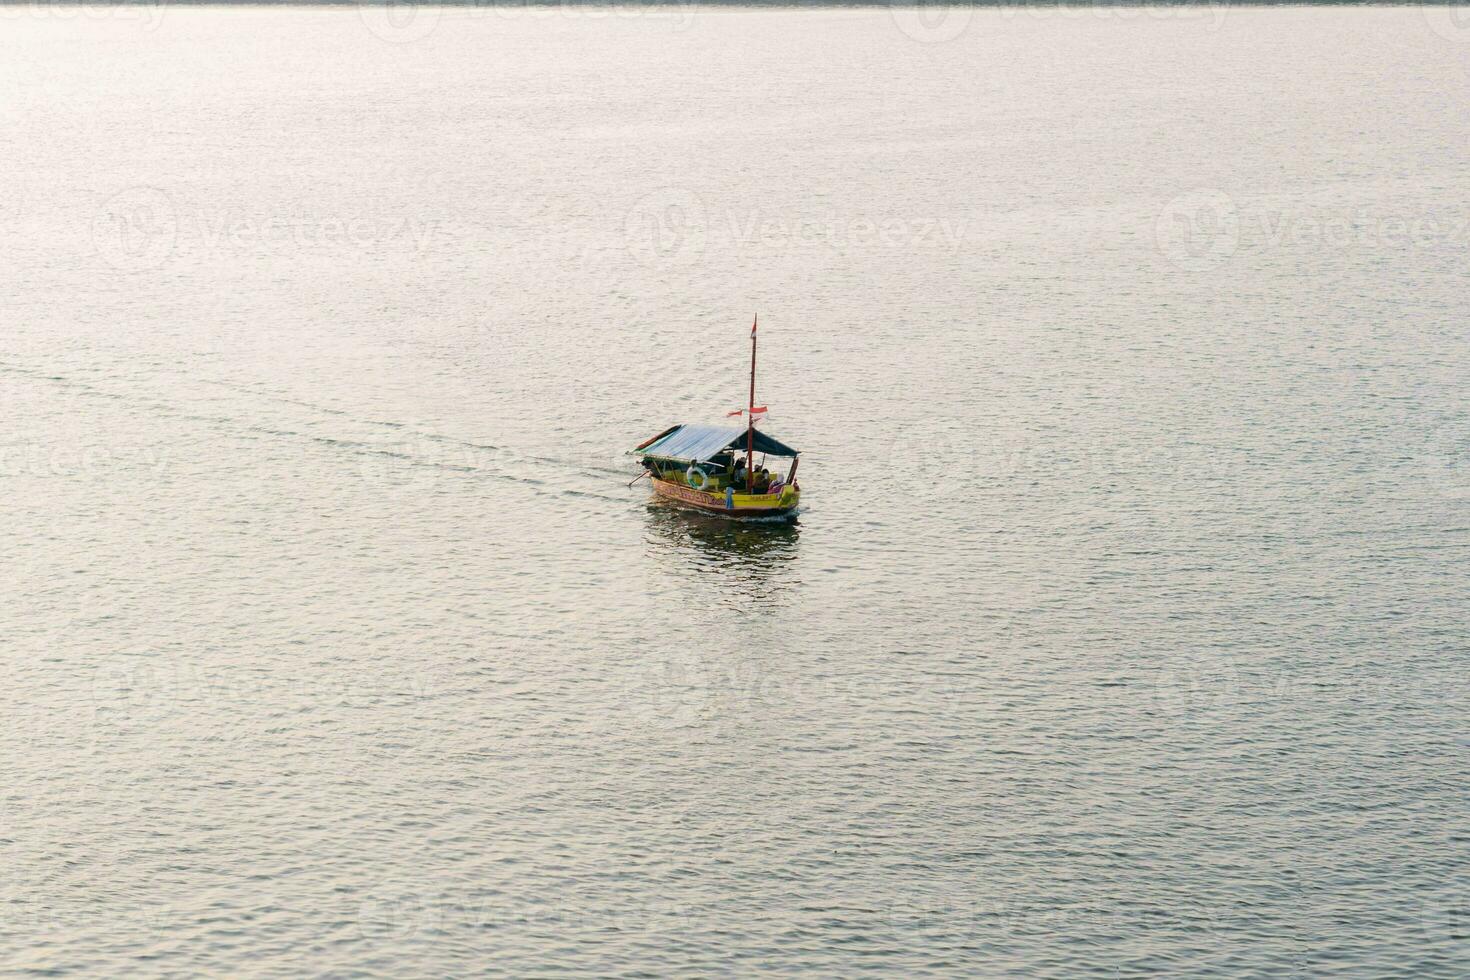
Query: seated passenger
x=762, y=480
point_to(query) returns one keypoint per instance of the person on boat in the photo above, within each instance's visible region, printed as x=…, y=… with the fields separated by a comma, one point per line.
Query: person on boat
x=738, y=476
x=762, y=480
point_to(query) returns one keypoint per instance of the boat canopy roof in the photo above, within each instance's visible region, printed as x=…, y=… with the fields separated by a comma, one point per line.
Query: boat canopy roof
x=699, y=443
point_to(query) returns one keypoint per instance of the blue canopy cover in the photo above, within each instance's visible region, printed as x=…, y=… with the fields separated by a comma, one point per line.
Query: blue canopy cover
x=698, y=443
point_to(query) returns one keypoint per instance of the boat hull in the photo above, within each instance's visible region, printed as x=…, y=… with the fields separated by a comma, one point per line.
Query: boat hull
x=740, y=505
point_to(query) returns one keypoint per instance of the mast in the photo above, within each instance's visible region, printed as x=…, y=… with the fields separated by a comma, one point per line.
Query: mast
x=750, y=413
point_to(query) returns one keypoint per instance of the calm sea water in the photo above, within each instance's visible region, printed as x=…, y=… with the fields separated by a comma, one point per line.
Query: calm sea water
x=1124, y=630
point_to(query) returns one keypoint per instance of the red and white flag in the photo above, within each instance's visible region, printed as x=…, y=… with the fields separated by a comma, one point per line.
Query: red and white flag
x=756, y=414
x=753, y=324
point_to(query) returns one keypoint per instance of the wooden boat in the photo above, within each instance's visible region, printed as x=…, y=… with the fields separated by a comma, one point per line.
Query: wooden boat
x=702, y=465
x=697, y=465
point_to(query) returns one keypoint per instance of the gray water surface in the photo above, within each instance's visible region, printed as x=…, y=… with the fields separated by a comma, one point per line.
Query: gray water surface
x=1123, y=632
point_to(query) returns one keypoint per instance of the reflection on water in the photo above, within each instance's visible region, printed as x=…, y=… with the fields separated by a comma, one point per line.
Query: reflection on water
x=755, y=552
x=1126, y=626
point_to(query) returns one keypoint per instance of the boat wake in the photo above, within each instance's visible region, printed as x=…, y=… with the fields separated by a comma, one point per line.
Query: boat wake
x=411, y=447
